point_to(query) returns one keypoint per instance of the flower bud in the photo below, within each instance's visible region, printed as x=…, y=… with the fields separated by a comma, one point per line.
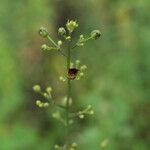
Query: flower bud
x=37, y=88
x=71, y=25
x=62, y=31
x=56, y=146
x=77, y=63
x=56, y=115
x=74, y=144
x=46, y=95
x=81, y=74
x=84, y=67
x=44, y=47
x=45, y=104
x=59, y=43
x=81, y=116
x=81, y=37
x=95, y=34
x=104, y=143
x=63, y=79
x=38, y=102
x=40, y=105
x=48, y=89
x=91, y=112
x=43, y=32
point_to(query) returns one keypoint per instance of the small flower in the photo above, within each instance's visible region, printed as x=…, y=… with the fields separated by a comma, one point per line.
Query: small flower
x=43, y=32
x=56, y=146
x=72, y=73
x=81, y=116
x=41, y=104
x=61, y=78
x=37, y=88
x=91, y=112
x=74, y=144
x=104, y=143
x=81, y=74
x=77, y=63
x=38, y=102
x=81, y=37
x=71, y=25
x=48, y=89
x=81, y=41
x=45, y=104
x=84, y=67
x=62, y=31
x=44, y=47
x=59, y=43
x=56, y=115
x=46, y=95
x=95, y=34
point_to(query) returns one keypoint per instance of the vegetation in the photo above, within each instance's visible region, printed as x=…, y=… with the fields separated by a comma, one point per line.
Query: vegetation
x=116, y=83
x=73, y=72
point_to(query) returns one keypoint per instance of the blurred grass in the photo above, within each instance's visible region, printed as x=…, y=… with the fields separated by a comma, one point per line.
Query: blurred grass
x=116, y=85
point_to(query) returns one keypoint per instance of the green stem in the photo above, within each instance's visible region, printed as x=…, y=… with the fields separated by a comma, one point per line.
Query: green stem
x=68, y=94
x=57, y=47
x=85, y=40
x=52, y=41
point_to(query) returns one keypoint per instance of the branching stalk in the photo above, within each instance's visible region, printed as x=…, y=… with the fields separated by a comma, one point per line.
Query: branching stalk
x=68, y=93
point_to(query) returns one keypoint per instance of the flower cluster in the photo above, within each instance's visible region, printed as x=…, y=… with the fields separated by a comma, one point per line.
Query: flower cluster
x=74, y=71
x=46, y=95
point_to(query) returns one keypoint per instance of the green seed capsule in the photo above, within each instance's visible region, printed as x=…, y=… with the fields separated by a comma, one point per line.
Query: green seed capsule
x=95, y=34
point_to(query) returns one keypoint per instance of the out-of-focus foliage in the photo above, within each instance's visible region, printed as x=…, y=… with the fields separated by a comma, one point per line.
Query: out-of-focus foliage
x=117, y=81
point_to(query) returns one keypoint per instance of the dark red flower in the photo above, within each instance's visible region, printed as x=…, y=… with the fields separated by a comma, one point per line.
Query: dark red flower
x=72, y=73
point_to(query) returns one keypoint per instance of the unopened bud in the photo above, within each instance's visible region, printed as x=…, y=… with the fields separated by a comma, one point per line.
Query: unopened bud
x=56, y=115
x=56, y=146
x=91, y=112
x=74, y=144
x=46, y=104
x=37, y=88
x=95, y=34
x=43, y=32
x=63, y=79
x=84, y=67
x=81, y=116
x=62, y=31
x=38, y=102
x=48, y=89
x=44, y=47
x=59, y=43
x=46, y=95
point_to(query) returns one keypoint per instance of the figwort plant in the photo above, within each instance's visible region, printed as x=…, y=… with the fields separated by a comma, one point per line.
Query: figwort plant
x=74, y=71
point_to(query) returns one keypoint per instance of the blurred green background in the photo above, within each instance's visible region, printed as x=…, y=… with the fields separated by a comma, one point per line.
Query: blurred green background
x=116, y=84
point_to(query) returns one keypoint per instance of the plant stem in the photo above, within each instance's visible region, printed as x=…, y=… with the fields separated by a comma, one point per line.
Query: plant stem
x=52, y=41
x=68, y=94
x=59, y=50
